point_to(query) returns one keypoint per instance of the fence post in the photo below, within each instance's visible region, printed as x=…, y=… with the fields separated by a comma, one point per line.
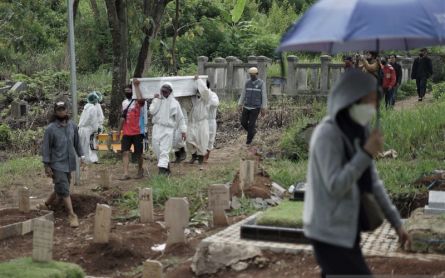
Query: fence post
x=201, y=64
x=220, y=77
x=263, y=63
x=324, y=79
x=291, y=78
x=252, y=59
x=406, y=64
x=230, y=76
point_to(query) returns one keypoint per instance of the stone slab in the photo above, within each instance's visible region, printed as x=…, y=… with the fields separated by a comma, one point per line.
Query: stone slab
x=436, y=199
x=152, y=269
x=42, y=241
x=21, y=228
x=431, y=211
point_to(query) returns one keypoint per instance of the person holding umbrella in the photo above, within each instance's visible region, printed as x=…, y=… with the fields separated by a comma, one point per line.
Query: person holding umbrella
x=342, y=178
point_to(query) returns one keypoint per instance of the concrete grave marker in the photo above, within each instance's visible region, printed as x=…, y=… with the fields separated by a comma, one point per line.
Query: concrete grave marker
x=246, y=173
x=23, y=197
x=436, y=199
x=105, y=178
x=102, y=224
x=152, y=269
x=42, y=241
x=177, y=217
x=219, y=200
x=146, y=205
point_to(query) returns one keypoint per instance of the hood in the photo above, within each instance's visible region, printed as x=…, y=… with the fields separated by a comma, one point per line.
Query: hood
x=349, y=88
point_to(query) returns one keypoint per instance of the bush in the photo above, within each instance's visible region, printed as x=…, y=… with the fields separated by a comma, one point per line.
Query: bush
x=27, y=268
x=439, y=90
x=5, y=136
x=407, y=89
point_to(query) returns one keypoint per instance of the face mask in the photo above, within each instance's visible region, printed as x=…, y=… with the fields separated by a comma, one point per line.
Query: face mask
x=165, y=95
x=362, y=113
x=128, y=95
x=421, y=54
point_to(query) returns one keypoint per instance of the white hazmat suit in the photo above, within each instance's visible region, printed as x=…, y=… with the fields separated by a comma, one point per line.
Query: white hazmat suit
x=91, y=120
x=198, y=125
x=166, y=116
x=213, y=107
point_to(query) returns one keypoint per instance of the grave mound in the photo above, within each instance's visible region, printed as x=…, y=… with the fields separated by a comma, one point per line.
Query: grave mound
x=82, y=205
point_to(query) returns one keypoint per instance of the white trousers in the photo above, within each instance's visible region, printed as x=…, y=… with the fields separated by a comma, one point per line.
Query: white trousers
x=162, y=141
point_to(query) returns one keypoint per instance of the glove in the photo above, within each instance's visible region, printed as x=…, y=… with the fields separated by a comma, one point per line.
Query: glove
x=100, y=129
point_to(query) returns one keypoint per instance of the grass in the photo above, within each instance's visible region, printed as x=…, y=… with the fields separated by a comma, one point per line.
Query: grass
x=286, y=172
x=286, y=214
x=18, y=167
x=26, y=268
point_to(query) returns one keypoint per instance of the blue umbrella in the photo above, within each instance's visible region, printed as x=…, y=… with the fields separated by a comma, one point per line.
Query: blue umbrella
x=334, y=26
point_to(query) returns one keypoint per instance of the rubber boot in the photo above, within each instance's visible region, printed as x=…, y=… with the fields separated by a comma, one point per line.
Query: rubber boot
x=182, y=154
x=178, y=157
x=194, y=158
x=200, y=159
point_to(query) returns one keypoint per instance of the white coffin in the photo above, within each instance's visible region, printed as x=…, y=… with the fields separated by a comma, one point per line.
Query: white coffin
x=182, y=85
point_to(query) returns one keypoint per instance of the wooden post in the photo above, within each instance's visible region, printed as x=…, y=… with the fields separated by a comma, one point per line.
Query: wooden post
x=105, y=178
x=246, y=173
x=102, y=224
x=42, y=241
x=177, y=218
x=263, y=63
x=146, y=205
x=219, y=200
x=23, y=196
x=201, y=64
x=152, y=269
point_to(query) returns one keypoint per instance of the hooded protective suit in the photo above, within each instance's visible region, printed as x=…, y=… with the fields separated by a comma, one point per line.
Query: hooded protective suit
x=186, y=106
x=90, y=121
x=332, y=198
x=166, y=116
x=213, y=106
x=198, y=124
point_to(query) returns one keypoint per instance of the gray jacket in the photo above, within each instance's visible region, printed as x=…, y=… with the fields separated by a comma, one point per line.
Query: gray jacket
x=60, y=146
x=332, y=199
x=254, y=94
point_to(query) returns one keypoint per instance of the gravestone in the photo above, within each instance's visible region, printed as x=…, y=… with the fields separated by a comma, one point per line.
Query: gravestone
x=177, y=218
x=247, y=173
x=102, y=224
x=436, y=202
x=219, y=200
x=18, y=87
x=19, y=109
x=42, y=241
x=23, y=197
x=152, y=269
x=146, y=205
x=105, y=178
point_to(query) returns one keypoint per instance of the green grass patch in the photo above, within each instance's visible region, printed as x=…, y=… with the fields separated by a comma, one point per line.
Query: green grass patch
x=286, y=214
x=416, y=133
x=25, y=166
x=26, y=268
x=286, y=172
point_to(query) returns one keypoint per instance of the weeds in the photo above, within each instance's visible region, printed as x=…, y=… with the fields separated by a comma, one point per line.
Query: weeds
x=286, y=172
x=18, y=167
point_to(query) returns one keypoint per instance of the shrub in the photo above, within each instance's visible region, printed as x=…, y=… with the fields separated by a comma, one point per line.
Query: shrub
x=439, y=90
x=5, y=136
x=407, y=89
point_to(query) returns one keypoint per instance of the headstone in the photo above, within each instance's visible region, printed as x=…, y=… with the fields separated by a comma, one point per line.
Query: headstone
x=18, y=87
x=19, y=109
x=247, y=173
x=152, y=269
x=42, y=242
x=23, y=197
x=219, y=200
x=105, y=178
x=146, y=205
x=102, y=224
x=277, y=189
x=436, y=199
x=177, y=218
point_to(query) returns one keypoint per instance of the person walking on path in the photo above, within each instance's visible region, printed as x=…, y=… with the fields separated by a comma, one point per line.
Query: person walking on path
x=389, y=82
x=90, y=123
x=60, y=147
x=167, y=116
x=421, y=71
x=341, y=172
x=132, y=125
x=399, y=74
x=252, y=102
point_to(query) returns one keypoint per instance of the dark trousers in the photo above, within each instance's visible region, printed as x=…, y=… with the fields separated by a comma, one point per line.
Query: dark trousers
x=248, y=121
x=421, y=86
x=336, y=260
x=389, y=97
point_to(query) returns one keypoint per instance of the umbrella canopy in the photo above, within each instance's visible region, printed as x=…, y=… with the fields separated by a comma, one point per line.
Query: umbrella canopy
x=334, y=26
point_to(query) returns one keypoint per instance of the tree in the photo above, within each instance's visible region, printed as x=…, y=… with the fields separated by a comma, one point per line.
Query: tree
x=118, y=23
x=175, y=36
x=153, y=11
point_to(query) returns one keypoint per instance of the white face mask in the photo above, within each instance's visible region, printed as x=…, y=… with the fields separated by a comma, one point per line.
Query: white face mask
x=362, y=113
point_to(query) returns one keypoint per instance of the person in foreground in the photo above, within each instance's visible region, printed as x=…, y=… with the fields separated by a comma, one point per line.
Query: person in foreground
x=61, y=145
x=340, y=172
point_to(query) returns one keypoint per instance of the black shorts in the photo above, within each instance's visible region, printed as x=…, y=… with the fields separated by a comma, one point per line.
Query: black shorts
x=135, y=140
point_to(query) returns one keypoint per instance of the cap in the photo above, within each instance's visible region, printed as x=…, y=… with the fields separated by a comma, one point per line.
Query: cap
x=253, y=70
x=59, y=104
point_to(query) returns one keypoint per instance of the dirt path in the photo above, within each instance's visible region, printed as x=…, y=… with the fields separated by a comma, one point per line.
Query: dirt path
x=412, y=102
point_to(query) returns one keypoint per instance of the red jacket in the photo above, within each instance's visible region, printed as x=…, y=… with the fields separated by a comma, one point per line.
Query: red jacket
x=389, y=77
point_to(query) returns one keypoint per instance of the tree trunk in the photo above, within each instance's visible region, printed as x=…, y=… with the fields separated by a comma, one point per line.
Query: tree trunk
x=95, y=10
x=118, y=22
x=153, y=9
x=175, y=27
